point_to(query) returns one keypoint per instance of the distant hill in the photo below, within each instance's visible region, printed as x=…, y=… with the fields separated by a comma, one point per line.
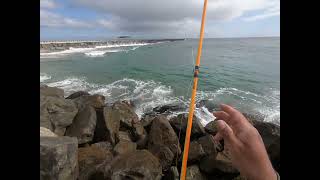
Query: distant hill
x=121, y=37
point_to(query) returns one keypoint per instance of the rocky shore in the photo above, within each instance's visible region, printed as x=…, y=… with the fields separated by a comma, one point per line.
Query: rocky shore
x=60, y=46
x=83, y=138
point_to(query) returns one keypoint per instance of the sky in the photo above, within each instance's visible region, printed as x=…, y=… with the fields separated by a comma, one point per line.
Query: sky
x=103, y=19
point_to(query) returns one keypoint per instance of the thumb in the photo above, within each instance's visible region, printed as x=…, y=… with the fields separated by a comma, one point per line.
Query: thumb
x=225, y=131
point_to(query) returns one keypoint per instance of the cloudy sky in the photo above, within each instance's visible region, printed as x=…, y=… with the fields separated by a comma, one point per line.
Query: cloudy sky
x=96, y=19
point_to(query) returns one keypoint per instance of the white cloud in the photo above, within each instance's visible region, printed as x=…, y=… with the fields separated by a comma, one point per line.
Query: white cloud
x=272, y=9
x=172, y=16
x=49, y=4
x=50, y=19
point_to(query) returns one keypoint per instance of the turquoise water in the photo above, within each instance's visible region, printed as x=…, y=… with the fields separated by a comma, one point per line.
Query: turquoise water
x=243, y=72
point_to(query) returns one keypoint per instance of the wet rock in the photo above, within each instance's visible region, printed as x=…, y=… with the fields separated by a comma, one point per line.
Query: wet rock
x=169, y=108
x=58, y=158
x=83, y=125
x=77, y=94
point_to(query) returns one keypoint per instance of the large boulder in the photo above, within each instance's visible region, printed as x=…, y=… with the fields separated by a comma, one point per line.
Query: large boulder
x=163, y=135
x=196, y=152
x=77, y=94
x=179, y=123
x=124, y=146
x=96, y=101
x=193, y=173
x=136, y=165
x=59, y=158
x=164, y=154
x=218, y=165
x=112, y=123
x=51, y=91
x=208, y=144
x=89, y=158
x=44, y=132
x=125, y=113
x=83, y=125
x=60, y=112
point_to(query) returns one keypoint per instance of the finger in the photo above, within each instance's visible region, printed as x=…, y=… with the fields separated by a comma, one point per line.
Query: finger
x=218, y=137
x=228, y=109
x=226, y=132
x=221, y=115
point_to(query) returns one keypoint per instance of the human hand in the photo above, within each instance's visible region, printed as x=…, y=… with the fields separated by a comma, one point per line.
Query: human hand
x=244, y=144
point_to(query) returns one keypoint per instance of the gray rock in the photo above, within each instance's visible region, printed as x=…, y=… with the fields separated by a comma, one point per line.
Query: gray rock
x=89, y=158
x=125, y=114
x=60, y=112
x=77, y=94
x=44, y=132
x=124, y=146
x=211, y=128
x=112, y=122
x=51, y=91
x=193, y=173
x=164, y=154
x=137, y=165
x=97, y=101
x=217, y=165
x=170, y=108
x=179, y=123
x=83, y=125
x=196, y=152
x=58, y=158
x=161, y=139
x=208, y=145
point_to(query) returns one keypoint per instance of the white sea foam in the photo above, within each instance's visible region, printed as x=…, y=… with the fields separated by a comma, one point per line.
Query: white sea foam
x=44, y=77
x=93, y=51
x=149, y=94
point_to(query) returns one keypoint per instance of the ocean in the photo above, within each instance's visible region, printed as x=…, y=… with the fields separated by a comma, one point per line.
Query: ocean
x=242, y=72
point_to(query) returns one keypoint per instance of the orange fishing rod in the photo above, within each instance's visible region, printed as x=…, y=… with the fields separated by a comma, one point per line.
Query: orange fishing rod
x=193, y=97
